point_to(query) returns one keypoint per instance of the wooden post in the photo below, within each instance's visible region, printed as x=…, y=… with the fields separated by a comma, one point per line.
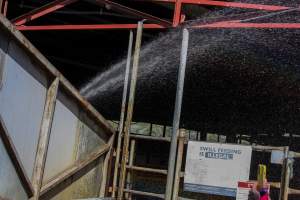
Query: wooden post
x=285, y=176
x=130, y=109
x=178, y=163
x=122, y=115
x=43, y=142
x=131, y=160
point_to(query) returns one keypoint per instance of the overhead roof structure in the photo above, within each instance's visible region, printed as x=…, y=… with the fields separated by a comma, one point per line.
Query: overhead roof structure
x=253, y=19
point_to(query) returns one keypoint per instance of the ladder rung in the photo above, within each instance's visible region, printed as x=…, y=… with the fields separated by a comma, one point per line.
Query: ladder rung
x=147, y=137
x=149, y=194
x=145, y=169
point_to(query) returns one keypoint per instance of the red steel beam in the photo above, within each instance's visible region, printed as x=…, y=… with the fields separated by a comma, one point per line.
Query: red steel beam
x=131, y=11
x=226, y=4
x=177, y=13
x=87, y=27
x=234, y=25
x=218, y=25
x=36, y=13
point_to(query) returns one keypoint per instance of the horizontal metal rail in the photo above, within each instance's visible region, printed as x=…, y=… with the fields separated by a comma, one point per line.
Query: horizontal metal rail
x=224, y=4
x=228, y=25
x=87, y=27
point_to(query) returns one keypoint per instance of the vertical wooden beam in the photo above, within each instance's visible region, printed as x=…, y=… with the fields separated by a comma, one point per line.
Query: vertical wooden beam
x=130, y=109
x=178, y=163
x=285, y=176
x=42, y=148
x=122, y=115
x=131, y=160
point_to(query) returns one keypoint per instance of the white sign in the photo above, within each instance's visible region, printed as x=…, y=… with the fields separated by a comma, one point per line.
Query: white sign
x=215, y=168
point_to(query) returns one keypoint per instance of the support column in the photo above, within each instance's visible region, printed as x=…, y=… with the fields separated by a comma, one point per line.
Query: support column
x=44, y=136
x=177, y=113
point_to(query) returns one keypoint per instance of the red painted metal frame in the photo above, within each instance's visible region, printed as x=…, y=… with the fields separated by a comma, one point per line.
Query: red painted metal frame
x=225, y=4
x=228, y=25
x=53, y=6
x=234, y=25
x=87, y=27
x=127, y=10
x=177, y=13
x=159, y=23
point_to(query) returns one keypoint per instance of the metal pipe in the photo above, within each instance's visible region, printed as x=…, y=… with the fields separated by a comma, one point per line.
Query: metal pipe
x=177, y=112
x=123, y=109
x=130, y=108
x=178, y=163
x=285, y=176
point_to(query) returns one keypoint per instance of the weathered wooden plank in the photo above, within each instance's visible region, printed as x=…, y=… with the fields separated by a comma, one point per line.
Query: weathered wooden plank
x=105, y=170
x=130, y=106
x=44, y=136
